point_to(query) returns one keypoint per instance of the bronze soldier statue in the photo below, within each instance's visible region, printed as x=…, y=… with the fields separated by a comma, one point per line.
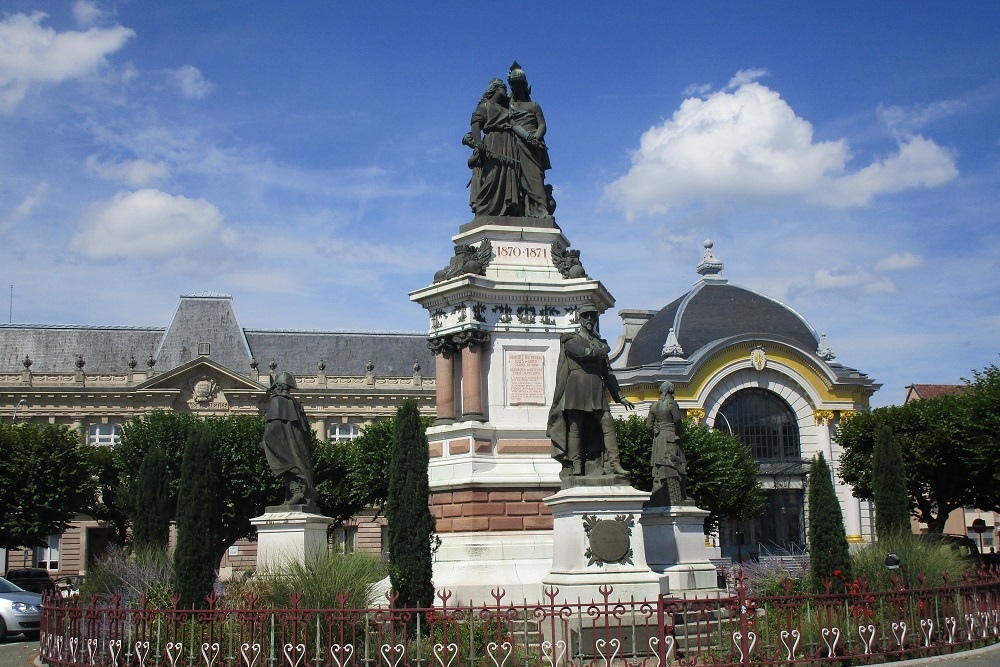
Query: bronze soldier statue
x=288, y=442
x=669, y=464
x=580, y=423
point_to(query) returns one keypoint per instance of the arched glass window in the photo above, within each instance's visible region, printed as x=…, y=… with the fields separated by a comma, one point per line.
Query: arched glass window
x=763, y=421
x=338, y=432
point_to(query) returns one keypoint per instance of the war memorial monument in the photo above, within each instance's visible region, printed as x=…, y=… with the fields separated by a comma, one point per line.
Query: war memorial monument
x=526, y=484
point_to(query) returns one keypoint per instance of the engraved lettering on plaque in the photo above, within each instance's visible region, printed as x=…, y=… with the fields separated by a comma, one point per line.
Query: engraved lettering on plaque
x=525, y=378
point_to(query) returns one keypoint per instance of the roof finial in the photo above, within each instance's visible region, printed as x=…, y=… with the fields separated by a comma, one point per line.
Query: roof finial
x=672, y=349
x=710, y=265
x=824, y=351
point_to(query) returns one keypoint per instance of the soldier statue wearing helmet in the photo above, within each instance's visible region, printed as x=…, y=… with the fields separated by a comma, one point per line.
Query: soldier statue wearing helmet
x=288, y=442
x=580, y=424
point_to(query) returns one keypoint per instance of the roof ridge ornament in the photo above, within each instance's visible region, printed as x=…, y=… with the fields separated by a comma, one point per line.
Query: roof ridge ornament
x=672, y=350
x=824, y=351
x=710, y=265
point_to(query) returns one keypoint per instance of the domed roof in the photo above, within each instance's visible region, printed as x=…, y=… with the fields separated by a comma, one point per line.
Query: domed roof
x=714, y=310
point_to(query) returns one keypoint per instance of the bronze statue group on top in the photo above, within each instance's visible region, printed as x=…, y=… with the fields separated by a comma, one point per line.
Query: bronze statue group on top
x=509, y=156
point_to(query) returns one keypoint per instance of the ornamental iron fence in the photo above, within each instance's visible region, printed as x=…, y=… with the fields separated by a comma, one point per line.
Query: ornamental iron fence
x=733, y=627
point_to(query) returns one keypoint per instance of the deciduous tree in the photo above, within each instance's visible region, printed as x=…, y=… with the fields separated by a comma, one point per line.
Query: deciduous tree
x=45, y=480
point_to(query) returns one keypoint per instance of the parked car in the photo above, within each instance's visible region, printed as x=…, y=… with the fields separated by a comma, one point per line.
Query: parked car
x=33, y=579
x=20, y=611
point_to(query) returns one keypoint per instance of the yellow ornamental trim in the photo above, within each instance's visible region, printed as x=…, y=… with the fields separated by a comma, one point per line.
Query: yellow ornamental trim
x=847, y=415
x=697, y=414
x=823, y=417
x=776, y=355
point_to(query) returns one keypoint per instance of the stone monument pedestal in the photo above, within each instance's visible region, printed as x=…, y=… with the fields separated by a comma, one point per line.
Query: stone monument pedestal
x=598, y=542
x=289, y=533
x=675, y=549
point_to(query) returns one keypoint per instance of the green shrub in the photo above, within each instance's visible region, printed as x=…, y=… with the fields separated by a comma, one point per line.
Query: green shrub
x=320, y=579
x=145, y=572
x=930, y=558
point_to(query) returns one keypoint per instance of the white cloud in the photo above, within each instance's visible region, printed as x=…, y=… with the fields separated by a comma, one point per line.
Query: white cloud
x=900, y=262
x=745, y=76
x=748, y=144
x=190, y=82
x=911, y=119
x=86, y=13
x=919, y=163
x=29, y=203
x=31, y=54
x=145, y=222
x=866, y=281
x=133, y=172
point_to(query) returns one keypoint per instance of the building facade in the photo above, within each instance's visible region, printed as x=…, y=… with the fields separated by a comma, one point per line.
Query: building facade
x=95, y=378
x=748, y=364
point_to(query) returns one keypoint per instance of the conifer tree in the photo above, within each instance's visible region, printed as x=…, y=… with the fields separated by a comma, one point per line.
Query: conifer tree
x=153, y=503
x=197, y=521
x=829, y=553
x=411, y=526
x=892, y=505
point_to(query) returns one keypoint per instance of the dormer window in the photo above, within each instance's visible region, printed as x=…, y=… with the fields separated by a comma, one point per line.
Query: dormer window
x=204, y=349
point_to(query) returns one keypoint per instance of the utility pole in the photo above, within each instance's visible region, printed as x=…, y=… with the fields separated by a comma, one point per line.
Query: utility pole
x=10, y=313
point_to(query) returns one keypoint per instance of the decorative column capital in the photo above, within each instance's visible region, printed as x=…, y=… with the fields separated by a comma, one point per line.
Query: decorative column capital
x=823, y=417
x=697, y=414
x=847, y=415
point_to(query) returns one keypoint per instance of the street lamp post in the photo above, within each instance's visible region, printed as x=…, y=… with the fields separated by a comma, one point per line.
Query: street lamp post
x=18, y=407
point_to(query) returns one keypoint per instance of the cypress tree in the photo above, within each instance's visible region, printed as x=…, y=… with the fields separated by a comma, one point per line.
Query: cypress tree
x=153, y=508
x=197, y=521
x=411, y=526
x=829, y=554
x=892, y=504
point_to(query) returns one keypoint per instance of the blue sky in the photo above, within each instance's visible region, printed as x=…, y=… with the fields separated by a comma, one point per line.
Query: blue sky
x=305, y=157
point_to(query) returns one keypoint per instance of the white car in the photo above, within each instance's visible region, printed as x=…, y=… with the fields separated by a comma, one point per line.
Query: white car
x=20, y=611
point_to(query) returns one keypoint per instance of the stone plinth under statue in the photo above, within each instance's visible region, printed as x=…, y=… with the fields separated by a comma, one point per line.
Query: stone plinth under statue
x=598, y=541
x=675, y=549
x=289, y=534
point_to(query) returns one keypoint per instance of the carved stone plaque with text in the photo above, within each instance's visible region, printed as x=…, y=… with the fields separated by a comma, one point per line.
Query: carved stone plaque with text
x=525, y=378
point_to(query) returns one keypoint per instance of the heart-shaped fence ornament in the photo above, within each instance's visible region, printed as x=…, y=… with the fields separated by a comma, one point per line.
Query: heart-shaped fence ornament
x=927, y=630
x=985, y=618
x=751, y=643
x=831, y=647
x=951, y=625
x=174, y=652
x=115, y=648
x=495, y=650
x=970, y=624
x=294, y=654
x=393, y=655
x=653, y=642
x=59, y=643
x=141, y=652
x=250, y=653
x=866, y=633
x=342, y=654
x=74, y=644
x=92, y=651
x=899, y=633
x=794, y=634
x=615, y=644
x=451, y=651
x=209, y=653
x=557, y=659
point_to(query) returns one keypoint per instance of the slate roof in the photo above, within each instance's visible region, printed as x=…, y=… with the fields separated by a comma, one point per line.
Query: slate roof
x=713, y=311
x=53, y=348
x=211, y=318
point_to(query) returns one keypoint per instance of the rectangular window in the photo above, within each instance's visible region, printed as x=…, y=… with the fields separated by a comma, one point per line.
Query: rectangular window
x=47, y=557
x=338, y=432
x=204, y=349
x=103, y=434
x=345, y=539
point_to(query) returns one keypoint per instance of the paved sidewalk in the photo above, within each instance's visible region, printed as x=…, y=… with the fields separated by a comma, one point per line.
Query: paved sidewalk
x=988, y=656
